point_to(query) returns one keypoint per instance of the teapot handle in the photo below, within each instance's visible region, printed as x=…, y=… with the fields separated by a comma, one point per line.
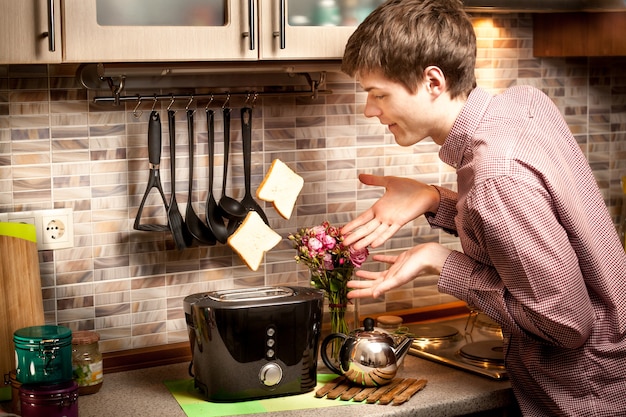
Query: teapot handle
x=325, y=357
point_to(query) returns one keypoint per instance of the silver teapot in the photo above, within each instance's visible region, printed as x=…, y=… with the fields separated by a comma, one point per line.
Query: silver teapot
x=367, y=357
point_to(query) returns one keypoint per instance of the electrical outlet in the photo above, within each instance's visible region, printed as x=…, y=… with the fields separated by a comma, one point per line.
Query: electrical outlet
x=55, y=228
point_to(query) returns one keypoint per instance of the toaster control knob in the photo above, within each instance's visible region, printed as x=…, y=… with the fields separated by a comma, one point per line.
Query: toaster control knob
x=270, y=374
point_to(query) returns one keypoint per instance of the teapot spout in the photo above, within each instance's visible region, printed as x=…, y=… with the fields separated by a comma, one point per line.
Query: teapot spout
x=402, y=349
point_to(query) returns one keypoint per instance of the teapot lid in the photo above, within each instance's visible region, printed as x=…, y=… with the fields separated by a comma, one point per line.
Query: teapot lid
x=368, y=332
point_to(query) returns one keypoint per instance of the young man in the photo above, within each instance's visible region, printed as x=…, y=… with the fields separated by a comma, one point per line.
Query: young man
x=540, y=252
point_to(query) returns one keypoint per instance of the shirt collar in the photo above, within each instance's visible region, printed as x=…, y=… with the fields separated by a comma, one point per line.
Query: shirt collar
x=459, y=138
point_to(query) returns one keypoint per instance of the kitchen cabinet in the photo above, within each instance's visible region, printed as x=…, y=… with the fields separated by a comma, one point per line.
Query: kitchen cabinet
x=202, y=30
x=24, y=31
x=579, y=34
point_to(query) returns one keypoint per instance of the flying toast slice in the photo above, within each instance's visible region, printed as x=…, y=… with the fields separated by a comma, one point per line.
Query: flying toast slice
x=281, y=187
x=252, y=239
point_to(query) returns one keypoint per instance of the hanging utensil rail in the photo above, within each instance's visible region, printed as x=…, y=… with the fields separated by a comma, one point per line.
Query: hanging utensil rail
x=314, y=92
x=197, y=97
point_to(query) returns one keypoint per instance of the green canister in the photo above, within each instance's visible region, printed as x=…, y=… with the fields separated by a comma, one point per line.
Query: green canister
x=43, y=354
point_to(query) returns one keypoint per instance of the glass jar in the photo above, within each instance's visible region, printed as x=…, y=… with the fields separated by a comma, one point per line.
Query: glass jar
x=87, y=362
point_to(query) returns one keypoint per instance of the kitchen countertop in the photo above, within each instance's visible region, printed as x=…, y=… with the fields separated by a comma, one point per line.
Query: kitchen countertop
x=449, y=392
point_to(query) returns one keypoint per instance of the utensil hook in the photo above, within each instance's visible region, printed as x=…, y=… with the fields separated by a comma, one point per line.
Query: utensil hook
x=136, y=112
x=256, y=95
x=154, y=103
x=209, y=103
x=227, y=102
x=169, y=106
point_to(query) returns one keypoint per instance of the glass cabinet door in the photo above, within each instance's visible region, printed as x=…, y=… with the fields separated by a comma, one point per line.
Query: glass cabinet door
x=155, y=30
x=329, y=12
x=316, y=29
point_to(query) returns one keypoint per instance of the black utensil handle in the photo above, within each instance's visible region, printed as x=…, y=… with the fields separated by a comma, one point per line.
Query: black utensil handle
x=210, y=121
x=246, y=133
x=171, y=125
x=226, y=146
x=191, y=134
x=154, y=138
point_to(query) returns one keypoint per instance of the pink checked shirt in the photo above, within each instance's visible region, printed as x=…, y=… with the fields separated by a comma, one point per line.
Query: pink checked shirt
x=540, y=253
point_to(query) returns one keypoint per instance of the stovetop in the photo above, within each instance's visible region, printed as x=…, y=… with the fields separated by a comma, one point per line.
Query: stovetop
x=472, y=343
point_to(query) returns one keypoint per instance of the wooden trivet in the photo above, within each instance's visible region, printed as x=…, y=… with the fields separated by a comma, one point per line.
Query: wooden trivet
x=398, y=391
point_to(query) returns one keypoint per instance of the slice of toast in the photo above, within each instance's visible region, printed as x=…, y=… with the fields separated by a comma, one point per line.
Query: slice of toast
x=281, y=187
x=252, y=239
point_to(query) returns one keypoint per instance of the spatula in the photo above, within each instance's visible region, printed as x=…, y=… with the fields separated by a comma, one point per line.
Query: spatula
x=182, y=237
x=246, y=132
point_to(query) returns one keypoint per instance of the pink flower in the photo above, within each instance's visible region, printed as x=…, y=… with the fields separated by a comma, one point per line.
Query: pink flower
x=314, y=245
x=358, y=257
x=329, y=242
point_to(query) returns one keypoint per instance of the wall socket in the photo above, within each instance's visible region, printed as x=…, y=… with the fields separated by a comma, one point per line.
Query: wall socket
x=55, y=228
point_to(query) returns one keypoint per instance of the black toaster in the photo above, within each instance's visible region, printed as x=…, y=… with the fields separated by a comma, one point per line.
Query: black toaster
x=255, y=342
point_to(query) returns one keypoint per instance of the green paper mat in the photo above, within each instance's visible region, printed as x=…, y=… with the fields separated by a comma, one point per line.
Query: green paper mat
x=194, y=405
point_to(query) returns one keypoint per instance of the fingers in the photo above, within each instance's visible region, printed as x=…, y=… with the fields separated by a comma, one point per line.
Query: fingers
x=374, y=180
x=385, y=234
x=365, y=234
x=355, y=224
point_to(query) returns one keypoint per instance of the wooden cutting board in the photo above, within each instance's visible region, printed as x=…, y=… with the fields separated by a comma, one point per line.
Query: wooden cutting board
x=21, y=303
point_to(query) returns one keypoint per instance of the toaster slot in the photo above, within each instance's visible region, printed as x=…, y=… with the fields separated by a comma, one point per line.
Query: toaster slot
x=251, y=294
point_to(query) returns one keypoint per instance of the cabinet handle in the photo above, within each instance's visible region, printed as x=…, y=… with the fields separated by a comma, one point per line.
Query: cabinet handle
x=282, y=18
x=251, y=23
x=50, y=34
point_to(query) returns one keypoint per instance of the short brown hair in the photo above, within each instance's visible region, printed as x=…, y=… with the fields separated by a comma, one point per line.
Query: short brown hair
x=403, y=37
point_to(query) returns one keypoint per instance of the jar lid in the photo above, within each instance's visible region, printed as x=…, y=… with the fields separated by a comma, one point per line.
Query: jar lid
x=84, y=337
x=389, y=320
x=36, y=334
x=47, y=392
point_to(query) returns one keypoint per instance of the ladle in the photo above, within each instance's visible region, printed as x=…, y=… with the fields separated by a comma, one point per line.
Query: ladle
x=195, y=226
x=246, y=132
x=213, y=216
x=230, y=208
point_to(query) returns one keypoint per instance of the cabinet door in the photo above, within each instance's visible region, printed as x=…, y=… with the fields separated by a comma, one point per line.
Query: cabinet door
x=156, y=30
x=23, y=25
x=315, y=29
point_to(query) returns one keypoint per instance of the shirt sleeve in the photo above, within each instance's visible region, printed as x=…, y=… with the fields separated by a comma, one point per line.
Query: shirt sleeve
x=444, y=218
x=529, y=276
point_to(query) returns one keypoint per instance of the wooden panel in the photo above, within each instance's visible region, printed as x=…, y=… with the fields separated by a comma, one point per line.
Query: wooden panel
x=579, y=34
x=22, y=24
x=21, y=302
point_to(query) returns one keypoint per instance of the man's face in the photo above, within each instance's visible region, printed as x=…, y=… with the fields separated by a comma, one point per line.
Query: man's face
x=408, y=116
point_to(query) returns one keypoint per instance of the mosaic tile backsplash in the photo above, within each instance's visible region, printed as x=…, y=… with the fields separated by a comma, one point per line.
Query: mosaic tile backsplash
x=60, y=149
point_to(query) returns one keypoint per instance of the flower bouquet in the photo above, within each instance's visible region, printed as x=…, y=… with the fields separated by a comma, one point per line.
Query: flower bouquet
x=331, y=264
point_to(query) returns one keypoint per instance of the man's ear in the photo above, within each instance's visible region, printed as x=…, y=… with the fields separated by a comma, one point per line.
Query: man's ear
x=435, y=80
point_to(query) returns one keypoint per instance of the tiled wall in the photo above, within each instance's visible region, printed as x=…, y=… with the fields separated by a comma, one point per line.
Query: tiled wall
x=59, y=149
